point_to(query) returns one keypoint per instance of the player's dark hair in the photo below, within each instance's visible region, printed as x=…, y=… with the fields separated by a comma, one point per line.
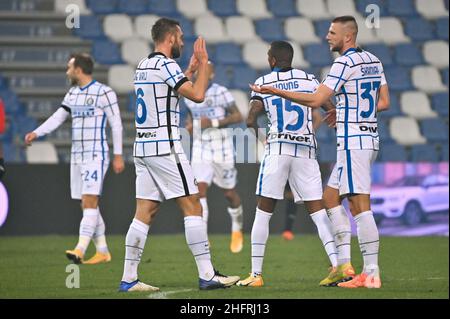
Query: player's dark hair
x=345, y=19
x=83, y=61
x=283, y=52
x=163, y=26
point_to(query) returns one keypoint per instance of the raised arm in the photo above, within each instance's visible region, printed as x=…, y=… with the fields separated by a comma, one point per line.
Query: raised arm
x=195, y=91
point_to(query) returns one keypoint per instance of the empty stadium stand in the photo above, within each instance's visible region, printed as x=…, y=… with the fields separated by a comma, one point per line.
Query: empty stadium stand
x=412, y=43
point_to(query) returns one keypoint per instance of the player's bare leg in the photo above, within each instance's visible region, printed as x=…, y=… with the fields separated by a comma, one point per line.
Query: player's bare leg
x=342, y=231
x=89, y=205
x=236, y=214
x=259, y=236
x=368, y=239
x=134, y=246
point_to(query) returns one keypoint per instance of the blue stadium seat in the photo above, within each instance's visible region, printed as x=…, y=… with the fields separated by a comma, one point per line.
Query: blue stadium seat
x=166, y=8
x=419, y=29
x=394, y=107
x=228, y=53
x=434, y=129
x=381, y=51
x=392, y=152
x=270, y=29
x=398, y=78
x=3, y=83
x=424, y=153
x=442, y=28
x=282, y=8
x=242, y=76
x=106, y=52
x=131, y=105
x=322, y=27
x=90, y=28
x=133, y=7
x=444, y=152
x=188, y=49
x=188, y=28
x=327, y=152
x=383, y=131
x=439, y=103
x=223, y=8
x=13, y=154
x=24, y=124
x=407, y=54
x=223, y=75
x=401, y=8
x=318, y=54
x=361, y=6
x=445, y=76
x=102, y=6
x=11, y=102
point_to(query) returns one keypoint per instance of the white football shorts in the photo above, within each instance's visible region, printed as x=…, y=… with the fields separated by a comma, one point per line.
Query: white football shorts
x=303, y=175
x=164, y=177
x=87, y=178
x=224, y=175
x=352, y=173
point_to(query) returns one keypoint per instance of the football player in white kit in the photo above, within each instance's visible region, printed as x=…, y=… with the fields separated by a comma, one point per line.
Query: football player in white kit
x=90, y=103
x=358, y=81
x=162, y=169
x=213, y=151
x=290, y=156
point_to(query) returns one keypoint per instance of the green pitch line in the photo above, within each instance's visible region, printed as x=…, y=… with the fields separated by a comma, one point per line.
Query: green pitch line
x=35, y=267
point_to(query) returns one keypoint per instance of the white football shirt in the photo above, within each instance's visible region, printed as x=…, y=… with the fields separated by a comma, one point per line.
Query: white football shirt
x=214, y=144
x=157, y=119
x=356, y=77
x=290, y=125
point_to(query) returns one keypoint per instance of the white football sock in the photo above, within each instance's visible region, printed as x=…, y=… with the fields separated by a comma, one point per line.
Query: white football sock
x=342, y=231
x=134, y=247
x=99, y=235
x=197, y=239
x=368, y=239
x=324, y=228
x=87, y=228
x=236, y=218
x=260, y=234
x=204, y=203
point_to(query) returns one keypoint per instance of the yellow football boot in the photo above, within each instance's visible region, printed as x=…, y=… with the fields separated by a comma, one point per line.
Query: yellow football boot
x=237, y=241
x=251, y=281
x=75, y=255
x=98, y=258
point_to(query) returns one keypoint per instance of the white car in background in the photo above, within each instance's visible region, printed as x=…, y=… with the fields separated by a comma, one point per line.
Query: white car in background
x=411, y=198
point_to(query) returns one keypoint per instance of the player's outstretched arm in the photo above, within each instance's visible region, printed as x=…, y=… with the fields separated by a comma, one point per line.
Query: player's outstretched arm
x=384, y=100
x=195, y=91
x=313, y=100
x=51, y=124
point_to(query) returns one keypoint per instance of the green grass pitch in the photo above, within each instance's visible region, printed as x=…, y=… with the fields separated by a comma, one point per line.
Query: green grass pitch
x=35, y=267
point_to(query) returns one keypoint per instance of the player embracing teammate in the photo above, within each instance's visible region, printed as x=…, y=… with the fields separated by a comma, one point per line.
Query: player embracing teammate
x=357, y=80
